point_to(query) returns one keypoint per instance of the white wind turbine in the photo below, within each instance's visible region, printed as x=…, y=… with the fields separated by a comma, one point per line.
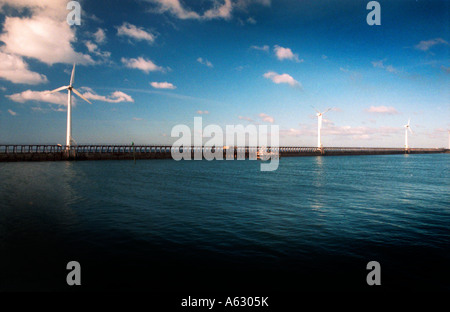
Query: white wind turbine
x=319, y=125
x=407, y=128
x=70, y=88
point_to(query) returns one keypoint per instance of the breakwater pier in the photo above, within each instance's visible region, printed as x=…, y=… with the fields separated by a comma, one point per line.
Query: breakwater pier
x=14, y=153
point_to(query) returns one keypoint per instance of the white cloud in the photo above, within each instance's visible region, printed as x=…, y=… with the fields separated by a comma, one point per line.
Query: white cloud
x=12, y=112
x=266, y=118
x=174, y=7
x=58, y=98
x=264, y=48
x=14, y=69
x=219, y=11
x=135, y=32
x=294, y=132
x=142, y=64
x=115, y=97
x=251, y=20
x=94, y=49
x=425, y=45
x=283, y=78
x=391, y=69
x=41, y=36
x=353, y=75
x=359, y=132
x=437, y=133
x=327, y=121
x=382, y=110
x=52, y=8
x=162, y=85
x=246, y=118
x=356, y=133
x=286, y=54
x=59, y=109
x=388, y=68
x=244, y=4
x=205, y=62
x=100, y=36
x=378, y=64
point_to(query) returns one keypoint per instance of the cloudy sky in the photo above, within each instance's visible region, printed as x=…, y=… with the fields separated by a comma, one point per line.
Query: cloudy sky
x=148, y=65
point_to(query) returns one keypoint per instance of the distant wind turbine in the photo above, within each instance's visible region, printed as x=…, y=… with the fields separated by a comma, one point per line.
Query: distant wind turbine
x=319, y=125
x=407, y=128
x=70, y=88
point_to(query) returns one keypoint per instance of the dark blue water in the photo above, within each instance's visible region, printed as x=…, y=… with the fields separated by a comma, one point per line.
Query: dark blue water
x=163, y=225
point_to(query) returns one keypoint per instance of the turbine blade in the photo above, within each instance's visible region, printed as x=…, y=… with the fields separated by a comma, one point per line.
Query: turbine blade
x=79, y=94
x=326, y=111
x=72, y=77
x=57, y=90
x=315, y=109
x=410, y=130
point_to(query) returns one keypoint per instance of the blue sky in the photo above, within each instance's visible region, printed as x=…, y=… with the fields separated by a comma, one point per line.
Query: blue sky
x=148, y=65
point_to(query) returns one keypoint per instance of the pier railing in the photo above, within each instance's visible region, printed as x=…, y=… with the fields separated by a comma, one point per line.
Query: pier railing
x=126, y=149
x=16, y=149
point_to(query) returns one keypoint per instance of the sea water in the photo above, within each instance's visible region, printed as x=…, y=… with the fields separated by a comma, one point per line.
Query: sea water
x=164, y=225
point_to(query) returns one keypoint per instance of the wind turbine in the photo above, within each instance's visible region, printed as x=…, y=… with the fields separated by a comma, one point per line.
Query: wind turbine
x=319, y=125
x=69, y=89
x=407, y=127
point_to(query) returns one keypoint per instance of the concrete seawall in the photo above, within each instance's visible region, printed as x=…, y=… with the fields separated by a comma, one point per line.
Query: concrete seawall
x=20, y=153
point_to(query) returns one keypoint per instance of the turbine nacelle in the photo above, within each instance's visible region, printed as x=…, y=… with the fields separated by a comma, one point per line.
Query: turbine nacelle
x=408, y=127
x=321, y=113
x=70, y=87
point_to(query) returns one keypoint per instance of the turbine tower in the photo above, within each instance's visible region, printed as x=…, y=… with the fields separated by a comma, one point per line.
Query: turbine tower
x=407, y=128
x=319, y=125
x=69, y=89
